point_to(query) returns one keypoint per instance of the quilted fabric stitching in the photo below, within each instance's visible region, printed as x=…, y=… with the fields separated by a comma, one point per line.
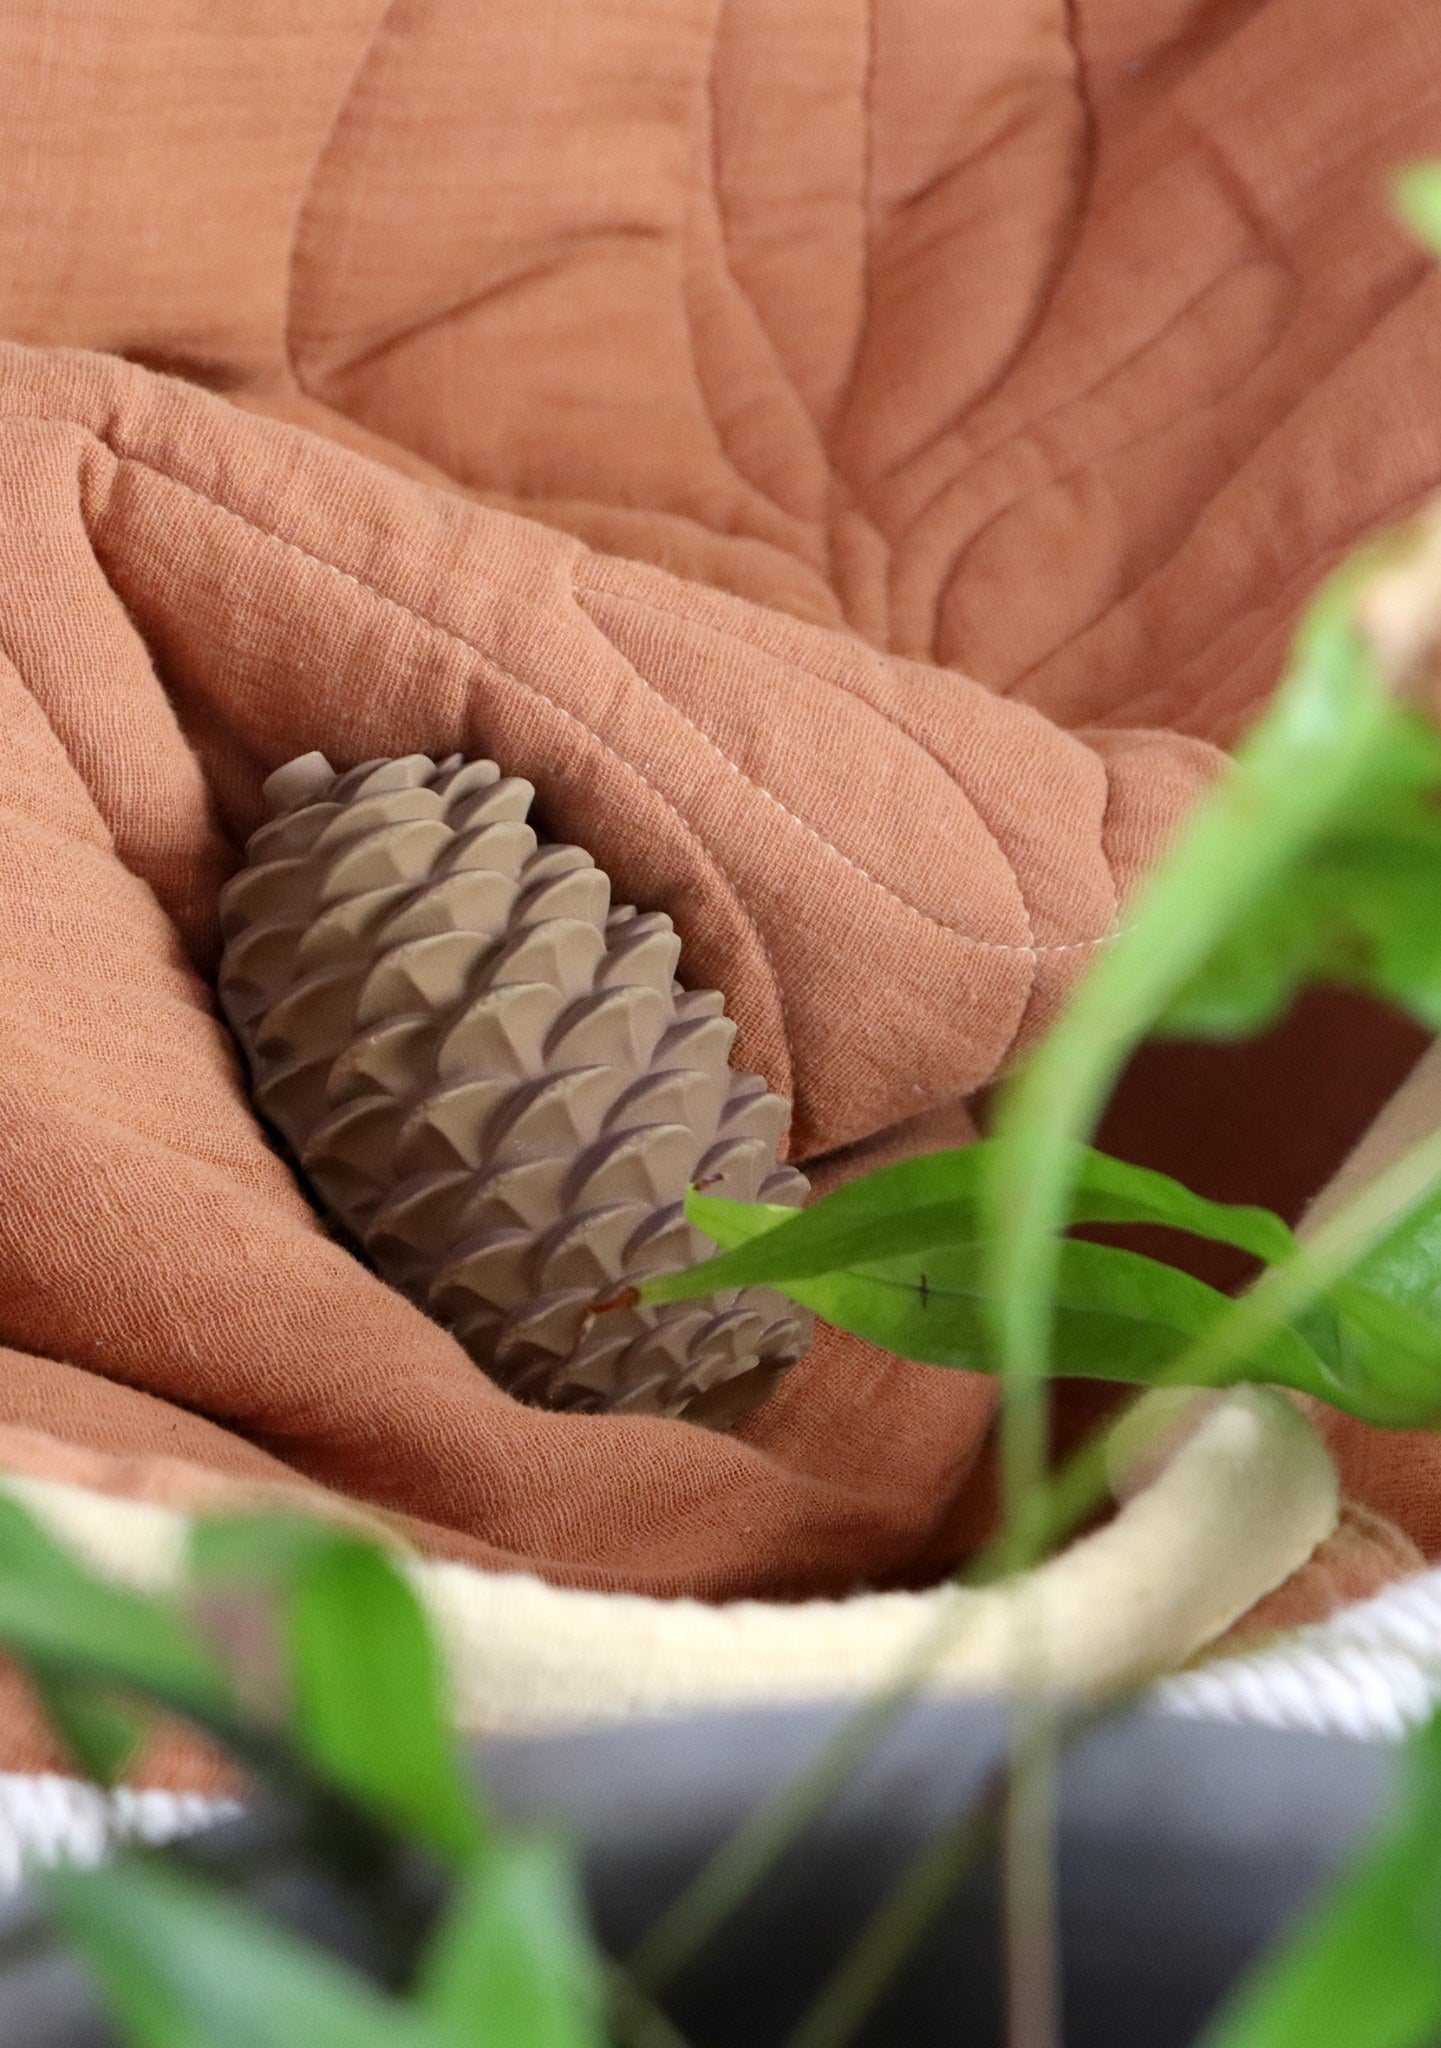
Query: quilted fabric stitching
x=1063, y=256
x=838, y=494
x=1302, y=580
x=940, y=924
x=308, y=190
x=459, y=640
x=689, y=257
x=1029, y=436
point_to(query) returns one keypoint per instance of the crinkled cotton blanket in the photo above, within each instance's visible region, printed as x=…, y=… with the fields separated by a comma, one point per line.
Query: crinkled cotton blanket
x=860, y=459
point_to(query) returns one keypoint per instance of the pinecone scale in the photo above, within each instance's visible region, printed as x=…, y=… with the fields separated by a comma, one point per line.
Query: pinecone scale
x=493, y=1081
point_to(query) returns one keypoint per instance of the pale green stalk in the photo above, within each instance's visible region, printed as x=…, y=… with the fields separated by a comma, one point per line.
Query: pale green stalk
x=1288, y=783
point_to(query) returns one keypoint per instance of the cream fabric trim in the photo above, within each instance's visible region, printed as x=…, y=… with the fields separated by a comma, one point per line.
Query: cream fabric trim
x=1237, y=1507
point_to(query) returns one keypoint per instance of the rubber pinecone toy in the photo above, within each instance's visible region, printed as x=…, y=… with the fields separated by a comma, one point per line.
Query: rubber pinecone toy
x=492, y=1079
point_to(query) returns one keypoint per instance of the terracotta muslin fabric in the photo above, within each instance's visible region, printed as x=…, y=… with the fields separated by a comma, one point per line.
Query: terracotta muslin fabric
x=859, y=460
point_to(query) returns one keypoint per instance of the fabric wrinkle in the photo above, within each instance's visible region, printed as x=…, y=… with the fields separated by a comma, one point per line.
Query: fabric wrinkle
x=805, y=438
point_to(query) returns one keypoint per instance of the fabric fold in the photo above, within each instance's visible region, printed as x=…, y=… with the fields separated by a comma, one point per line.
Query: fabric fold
x=861, y=463
x=197, y=595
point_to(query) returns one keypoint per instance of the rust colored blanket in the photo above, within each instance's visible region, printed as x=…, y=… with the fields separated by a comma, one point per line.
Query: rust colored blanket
x=859, y=461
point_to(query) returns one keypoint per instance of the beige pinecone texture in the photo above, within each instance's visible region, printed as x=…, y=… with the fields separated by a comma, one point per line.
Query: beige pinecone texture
x=491, y=1078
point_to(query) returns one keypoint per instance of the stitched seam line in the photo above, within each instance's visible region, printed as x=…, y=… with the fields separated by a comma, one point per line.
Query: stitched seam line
x=1235, y=190
x=459, y=640
x=312, y=181
x=1083, y=177
x=1030, y=437
x=1295, y=588
x=710, y=191
x=812, y=832
x=573, y=718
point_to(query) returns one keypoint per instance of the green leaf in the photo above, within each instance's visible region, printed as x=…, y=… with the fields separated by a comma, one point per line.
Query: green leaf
x=264, y=1551
x=1417, y=194
x=1119, y=1316
x=99, y=1734
x=1372, y=1349
x=368, y=1703
x=61, y=1622
x=1359, y=910
x=369, y=1696
x=514, y=1966
x=1308, y=762
x=1364, y=1969
x=1379, y=1329
x=1108, y=1190
x=1405, y=1267
x=1384, y=1360
x=933, y=1201
x=181, y=1966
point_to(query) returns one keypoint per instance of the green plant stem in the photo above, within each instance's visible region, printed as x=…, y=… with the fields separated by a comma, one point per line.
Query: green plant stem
x=1280, y=1293
x=1325, y=1255
x=1032, y=1942
x=898, y=1924
x=764, y=1836
x=1289, y=779
x=637, y=2019
x=1032, y=1948
x=914, y=1904
x=1064, y=1502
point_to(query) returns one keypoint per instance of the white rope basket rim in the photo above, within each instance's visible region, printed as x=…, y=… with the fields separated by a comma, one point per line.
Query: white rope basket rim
x=1231, y=1513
